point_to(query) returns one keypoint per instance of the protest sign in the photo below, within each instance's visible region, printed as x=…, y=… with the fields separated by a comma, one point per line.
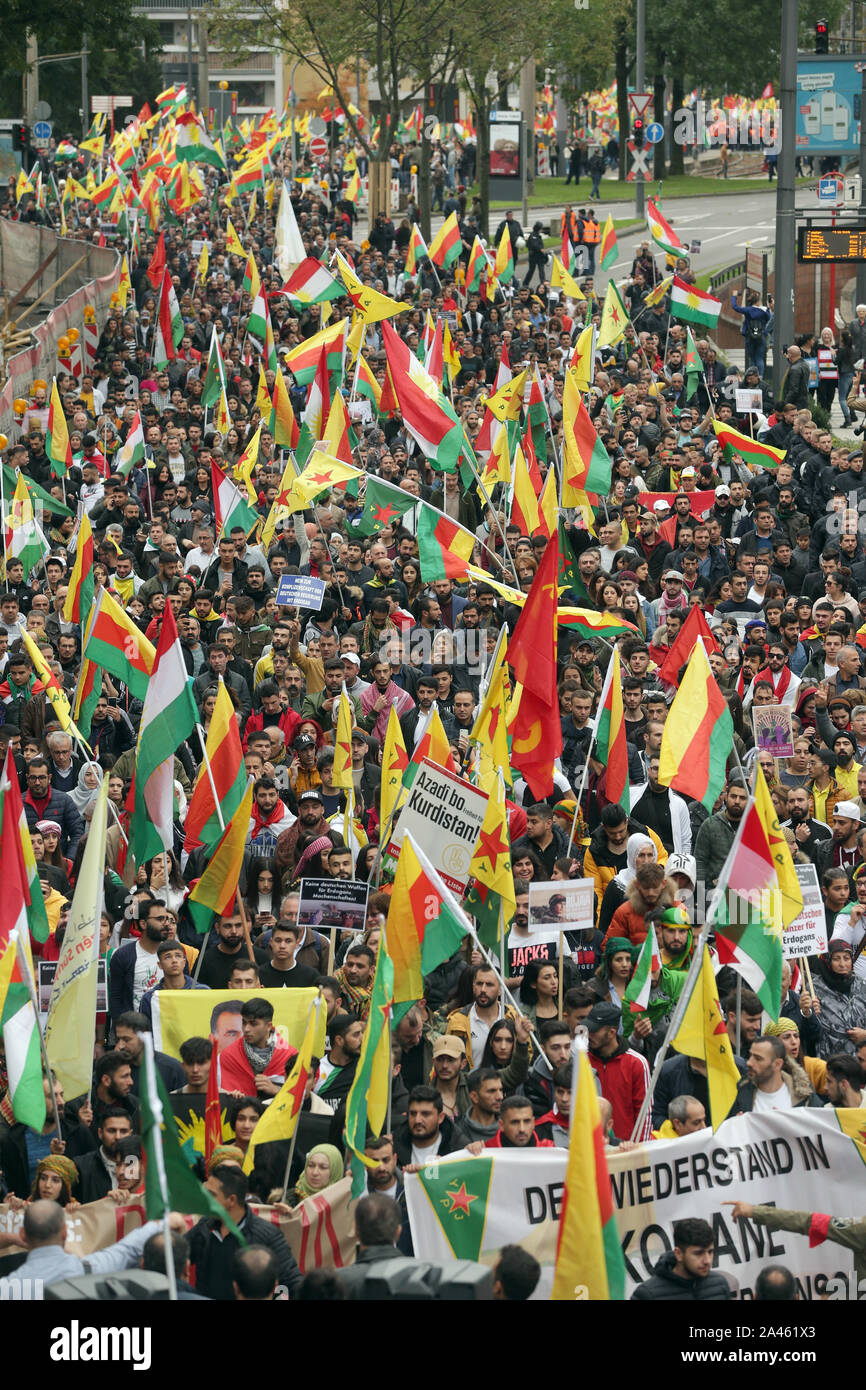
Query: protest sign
x=444, y=814
x=804, y=1160
x=321, y=1230
x=192, y=1013
x=88, y=1228
x=773, y=730
x=333, y=902
x=807, y=934
x=47, y=969
x=748, y=401
x=568, y=905
x=300, y=591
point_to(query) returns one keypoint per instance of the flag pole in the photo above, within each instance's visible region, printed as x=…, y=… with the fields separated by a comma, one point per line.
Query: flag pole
x=581, y=791
x=674, y=1026
x=486, y=495
x=294, y=1139
x=491, y=961
x=502, y=955
x=159, y=1156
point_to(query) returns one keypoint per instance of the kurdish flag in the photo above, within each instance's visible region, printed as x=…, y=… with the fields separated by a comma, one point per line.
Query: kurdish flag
x=383, y=504
x=447, y=244
x=698, y=734
x=168, y=718
x=610, y=735
x=303, y=360
x=588, y=1250
x=693, y=305
x=649, y=962
x=425, y=922
x=427, y=414
x=217, y=793
x=590, y=623
x=194, y=143
x=216, y=889
x=586, y=465
x=539, y=418
x=79, y=596
x=366, y=383
x=614, y=318
x=662, y=233
x=750, y=450
x=24, y=538
x=477, y=266
x=162, y=350
x=57, y=445
x=745, y=938
x=113, y=642
x=214, y=374
x=416, y=250
x=230, y=506
x=444, y=547
x=18, y=1020
x=311, y=283
x=131, y=453
x=608, y=250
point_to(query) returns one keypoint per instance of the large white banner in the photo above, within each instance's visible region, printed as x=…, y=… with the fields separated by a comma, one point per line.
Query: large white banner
x=802, y=1160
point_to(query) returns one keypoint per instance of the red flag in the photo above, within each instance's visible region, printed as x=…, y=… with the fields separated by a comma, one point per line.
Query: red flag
x=768, y=91
x=213, y=1130
x=157, y=264
x=537, y=732
x=694, y=628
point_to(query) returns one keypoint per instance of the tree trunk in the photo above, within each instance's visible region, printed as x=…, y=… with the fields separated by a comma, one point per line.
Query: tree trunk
x=482, y=161
x=622, y=96
x=424, y=186
x=677, y=166
x=659, y=115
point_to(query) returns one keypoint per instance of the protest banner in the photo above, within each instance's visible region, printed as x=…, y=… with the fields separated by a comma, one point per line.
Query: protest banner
x=807, y=934
x=773, y=730
x=186, y=1013
x=802, y=1160
x=444, y=813
x=88, y=1228
x=321, y=1230
x=567, y=905
x=333, y=902
x=300, y=591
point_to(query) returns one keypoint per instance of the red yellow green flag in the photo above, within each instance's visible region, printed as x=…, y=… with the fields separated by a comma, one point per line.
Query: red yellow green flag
x=698, y=734
x=610, y=735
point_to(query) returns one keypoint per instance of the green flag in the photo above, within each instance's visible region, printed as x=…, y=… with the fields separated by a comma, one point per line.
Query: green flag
x=367, y=1102
x=383, y=503
x=692, y=367
x=169, y=1182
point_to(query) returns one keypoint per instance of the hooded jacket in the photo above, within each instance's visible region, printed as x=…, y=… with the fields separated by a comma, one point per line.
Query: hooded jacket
x=601, y=864
x=665, y=1284
x=843, y=1006
x=629, y=920
x=624, y=1079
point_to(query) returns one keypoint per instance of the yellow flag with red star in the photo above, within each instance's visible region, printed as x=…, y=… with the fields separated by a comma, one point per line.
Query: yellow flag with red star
x=342, y=773
x=395, y=761
x=491, y=899
x=614, y=318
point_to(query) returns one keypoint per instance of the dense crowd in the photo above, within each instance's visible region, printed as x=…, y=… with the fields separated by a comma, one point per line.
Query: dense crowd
x=773, y=557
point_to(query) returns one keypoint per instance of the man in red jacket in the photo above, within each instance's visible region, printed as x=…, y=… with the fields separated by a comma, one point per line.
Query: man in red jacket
x=622, y=1074
x=517, y=1127
x=257, y=1062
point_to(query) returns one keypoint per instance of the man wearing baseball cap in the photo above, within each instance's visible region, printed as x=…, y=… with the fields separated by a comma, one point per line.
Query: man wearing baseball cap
x=311, y=824
x=450, y=1076
x=840, y=851
x=623, y=1075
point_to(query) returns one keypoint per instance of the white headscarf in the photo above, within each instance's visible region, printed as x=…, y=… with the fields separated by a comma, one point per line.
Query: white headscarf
x=82, y=795
x=635, y=844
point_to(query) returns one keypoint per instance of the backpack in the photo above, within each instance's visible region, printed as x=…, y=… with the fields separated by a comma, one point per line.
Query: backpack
x=754, y=328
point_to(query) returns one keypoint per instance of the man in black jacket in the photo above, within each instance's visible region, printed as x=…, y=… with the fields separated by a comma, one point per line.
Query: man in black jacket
x=378, y=1227
x=18, y=1156
x=426, y=1132
x=685, y=1274
x=212, y=1243
x=96, y=1175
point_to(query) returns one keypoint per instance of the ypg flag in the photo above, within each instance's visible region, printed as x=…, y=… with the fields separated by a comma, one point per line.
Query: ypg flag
x=457, y=1195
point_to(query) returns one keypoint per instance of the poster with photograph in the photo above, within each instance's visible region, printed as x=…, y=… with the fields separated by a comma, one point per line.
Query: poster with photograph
x=333, y=902
x=568, y=905
x=774, y=731
x=504, y=150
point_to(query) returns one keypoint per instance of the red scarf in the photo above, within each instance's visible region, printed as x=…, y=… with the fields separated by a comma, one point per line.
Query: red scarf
x=261, y=822
x=783, y=683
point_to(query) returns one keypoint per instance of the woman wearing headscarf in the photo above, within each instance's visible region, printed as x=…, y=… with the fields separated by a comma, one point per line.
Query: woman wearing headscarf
x=814, y=1067
x=55, y=1178
x=639, y=850
x=612, y=976
x=85, y=793
x=842, y=997
x=324, y=1167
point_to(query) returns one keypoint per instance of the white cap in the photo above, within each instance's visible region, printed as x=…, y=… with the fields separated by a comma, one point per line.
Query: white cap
x=682, y=864
x=849, y=809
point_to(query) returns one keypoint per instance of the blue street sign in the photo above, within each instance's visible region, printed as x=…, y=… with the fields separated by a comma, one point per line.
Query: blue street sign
x=828, y=190
x=42, y=130
x=655, y=132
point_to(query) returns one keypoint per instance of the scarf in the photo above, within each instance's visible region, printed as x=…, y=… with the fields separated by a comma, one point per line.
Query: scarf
x=335, y=1163
x=259, y=1057
x=357, y=998
x=315, y=847
x=225, y=1153
x=781, y=684
x=262, y=821
x=63, y=1167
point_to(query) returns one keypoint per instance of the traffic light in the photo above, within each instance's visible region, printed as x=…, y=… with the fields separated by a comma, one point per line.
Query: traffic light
x=20, y=136
x=822, y=36
x=638, y=131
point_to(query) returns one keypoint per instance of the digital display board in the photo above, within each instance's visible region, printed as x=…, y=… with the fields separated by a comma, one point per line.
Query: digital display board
x=817, y=244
